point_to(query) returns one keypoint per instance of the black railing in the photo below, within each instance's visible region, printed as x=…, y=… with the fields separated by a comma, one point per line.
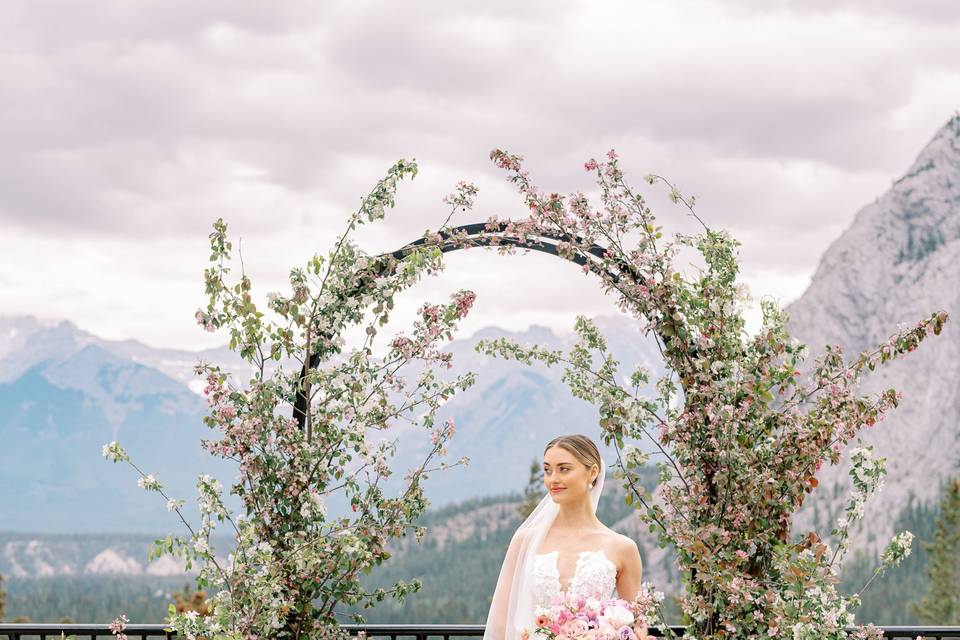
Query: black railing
x=29, y=631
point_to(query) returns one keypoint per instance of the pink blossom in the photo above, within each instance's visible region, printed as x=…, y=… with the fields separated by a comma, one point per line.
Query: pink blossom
x=118, y=625
x=464, y=301
x=430, y=312
x=575, y=627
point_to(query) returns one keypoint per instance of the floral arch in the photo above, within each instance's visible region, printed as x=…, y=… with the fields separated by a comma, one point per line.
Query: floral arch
x=736, y=459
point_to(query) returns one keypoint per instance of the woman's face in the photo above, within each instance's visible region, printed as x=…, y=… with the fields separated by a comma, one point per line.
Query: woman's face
x=566, y=478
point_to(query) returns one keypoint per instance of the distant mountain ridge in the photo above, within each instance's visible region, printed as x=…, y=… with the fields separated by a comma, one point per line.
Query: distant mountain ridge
x=56, y=414
x=26, y=341
x=44, y=555
x=64, y=393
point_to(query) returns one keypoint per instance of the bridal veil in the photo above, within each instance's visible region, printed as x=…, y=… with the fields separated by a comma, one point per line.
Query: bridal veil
x=512, y=607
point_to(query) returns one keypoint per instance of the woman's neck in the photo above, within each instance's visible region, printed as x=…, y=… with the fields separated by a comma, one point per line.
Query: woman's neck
x=576, y=516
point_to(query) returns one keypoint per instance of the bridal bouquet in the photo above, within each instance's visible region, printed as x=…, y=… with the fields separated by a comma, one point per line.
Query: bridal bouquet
x=576, y=617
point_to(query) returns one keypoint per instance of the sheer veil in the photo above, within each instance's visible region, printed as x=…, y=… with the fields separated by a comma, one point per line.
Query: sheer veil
x=512, y=605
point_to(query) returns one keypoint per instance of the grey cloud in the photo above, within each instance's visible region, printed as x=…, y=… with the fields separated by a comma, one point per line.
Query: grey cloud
x=50, y=25
x=119, y=115
x=920, y=11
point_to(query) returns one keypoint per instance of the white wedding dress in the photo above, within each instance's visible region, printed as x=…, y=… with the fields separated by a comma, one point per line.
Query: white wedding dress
x=528, y=579
x=595, y=576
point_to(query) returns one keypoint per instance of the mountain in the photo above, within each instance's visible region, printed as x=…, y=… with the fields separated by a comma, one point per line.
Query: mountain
x=25, y=555
x=898, y=262
x=65, y=392
x=26, y=341
x=513, y=410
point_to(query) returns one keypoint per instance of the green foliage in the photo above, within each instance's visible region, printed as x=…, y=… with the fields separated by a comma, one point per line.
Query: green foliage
x=533, y=492
x=741, y=452
x=884, y=602
x=309, y=427
x=941, y=603
x=921, y=242
x=91, y=599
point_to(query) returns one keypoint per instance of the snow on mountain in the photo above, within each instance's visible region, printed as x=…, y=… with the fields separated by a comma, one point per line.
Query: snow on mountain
x=513, y=410
x=63, y=394
x=26, y=341
x=109, y=561
x=32, y=558
x=32, y=555
x=167, y=566
x=897, y=263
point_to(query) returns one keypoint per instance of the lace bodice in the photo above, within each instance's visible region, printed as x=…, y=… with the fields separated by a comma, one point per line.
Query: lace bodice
x=595, y=576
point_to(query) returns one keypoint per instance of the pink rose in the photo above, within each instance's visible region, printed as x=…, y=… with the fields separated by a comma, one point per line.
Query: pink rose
x=575, y=627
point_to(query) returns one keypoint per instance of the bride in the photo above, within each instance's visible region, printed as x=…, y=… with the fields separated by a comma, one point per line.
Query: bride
x=562, y=546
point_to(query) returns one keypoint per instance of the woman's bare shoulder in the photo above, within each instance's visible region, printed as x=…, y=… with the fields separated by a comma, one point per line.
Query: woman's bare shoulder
x=616, y=538
x=621, y=546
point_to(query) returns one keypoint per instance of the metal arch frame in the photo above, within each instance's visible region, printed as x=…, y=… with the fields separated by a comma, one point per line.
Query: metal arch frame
x=478, y=234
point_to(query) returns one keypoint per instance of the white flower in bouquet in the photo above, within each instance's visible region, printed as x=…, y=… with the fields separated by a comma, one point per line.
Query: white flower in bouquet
x=616, y=616
x=593, y=605
x=606, y=630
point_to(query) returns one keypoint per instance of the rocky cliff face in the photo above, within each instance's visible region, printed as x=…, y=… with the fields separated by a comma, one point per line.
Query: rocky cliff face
x=897, y=263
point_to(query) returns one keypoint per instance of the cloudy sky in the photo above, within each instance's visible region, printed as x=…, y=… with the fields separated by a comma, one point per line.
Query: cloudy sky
x=128, y=127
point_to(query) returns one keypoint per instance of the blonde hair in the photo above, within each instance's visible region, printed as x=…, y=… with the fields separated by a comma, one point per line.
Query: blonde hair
x=582, y=448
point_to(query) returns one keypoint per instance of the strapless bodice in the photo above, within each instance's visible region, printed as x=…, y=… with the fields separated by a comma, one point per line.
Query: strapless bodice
x=595, y=576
